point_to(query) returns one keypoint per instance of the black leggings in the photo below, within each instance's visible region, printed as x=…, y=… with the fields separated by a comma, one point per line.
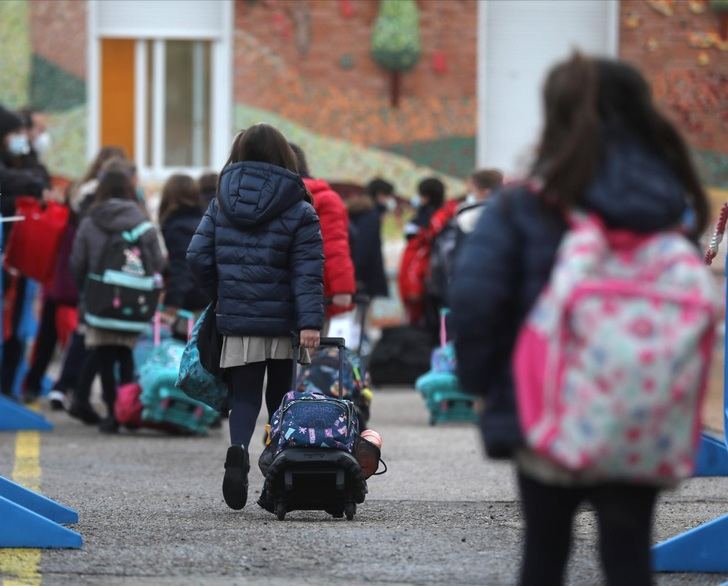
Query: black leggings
x=246, y=390
x=624, y=514
x=45, y=344
x=103, y=360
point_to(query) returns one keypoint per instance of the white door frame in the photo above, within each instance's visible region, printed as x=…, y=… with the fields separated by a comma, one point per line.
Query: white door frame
x=221, y=91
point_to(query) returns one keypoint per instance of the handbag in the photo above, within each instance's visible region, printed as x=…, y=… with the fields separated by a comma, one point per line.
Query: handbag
x=194, y=378
x=209, y=341
x=34, y=243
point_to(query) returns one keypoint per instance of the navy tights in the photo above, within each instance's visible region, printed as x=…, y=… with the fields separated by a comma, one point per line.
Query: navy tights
x=246, y=386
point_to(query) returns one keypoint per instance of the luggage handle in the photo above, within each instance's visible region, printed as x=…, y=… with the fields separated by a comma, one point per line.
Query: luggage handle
x=324, y=342
x=157, y=324
x=443, y=327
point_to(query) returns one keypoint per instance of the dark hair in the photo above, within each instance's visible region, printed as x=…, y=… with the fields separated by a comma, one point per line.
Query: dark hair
x=434, y=190
x=26, y=116
x=207, y=183
x=584, y=98
x=301, y=158
x=379, y=186
x=115, y=182
x=179, y=191
x=264, y=144
x=106, y=153
x=487, y=178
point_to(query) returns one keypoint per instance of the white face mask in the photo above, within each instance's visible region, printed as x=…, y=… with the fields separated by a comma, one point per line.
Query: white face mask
x=18, y=145
x=391, y=204
x=42, y=143
x=415, y=201
x=471, y=198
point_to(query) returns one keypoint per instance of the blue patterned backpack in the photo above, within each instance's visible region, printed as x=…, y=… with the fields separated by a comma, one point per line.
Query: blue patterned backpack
x=314, y=420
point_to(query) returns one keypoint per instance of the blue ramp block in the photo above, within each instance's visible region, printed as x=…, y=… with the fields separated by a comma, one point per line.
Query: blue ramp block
x=36, y=502
x=14, y=417
x=703, y=549
x=21, y=527
x=712, y=458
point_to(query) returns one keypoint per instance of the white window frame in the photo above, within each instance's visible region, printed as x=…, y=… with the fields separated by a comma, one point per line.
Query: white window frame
x=221, y=89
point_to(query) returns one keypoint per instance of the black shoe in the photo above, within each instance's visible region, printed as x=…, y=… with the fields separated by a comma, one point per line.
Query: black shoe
x=109, y=425
x=85, y=413
x=235, y=482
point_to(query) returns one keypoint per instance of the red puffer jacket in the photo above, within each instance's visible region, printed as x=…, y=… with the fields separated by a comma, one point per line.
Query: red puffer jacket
x=415, y=263
x=338, y=267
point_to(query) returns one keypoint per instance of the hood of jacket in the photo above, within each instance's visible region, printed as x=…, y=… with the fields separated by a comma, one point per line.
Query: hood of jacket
x=636, y=191
x=253, y=193
x=117, y=215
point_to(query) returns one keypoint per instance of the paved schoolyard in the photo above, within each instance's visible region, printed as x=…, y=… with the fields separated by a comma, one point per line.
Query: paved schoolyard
x=151, y=512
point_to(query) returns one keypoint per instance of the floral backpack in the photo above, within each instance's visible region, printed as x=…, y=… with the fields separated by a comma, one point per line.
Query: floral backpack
x=611, y=365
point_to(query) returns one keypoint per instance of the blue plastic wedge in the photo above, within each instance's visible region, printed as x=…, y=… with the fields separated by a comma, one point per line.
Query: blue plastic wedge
x=703, y=549
x=14, y=417
x=36, y=502
x=22, y=527
x=712, y=458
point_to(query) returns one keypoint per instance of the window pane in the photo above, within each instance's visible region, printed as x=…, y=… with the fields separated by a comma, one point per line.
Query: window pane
x=187, y=104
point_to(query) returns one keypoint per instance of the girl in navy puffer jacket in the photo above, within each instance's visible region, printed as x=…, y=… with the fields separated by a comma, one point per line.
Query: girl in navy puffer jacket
x=607, y=150
x=258, y=254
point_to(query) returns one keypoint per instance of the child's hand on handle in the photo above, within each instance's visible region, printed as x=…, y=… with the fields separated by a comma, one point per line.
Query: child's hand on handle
x=310, y=339
x=341, y=300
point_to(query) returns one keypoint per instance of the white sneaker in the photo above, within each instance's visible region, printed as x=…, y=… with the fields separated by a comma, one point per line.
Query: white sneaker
x=57, y=400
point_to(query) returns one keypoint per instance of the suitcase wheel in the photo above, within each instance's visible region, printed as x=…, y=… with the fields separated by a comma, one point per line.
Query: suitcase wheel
x=350, y=511
x=280, y=510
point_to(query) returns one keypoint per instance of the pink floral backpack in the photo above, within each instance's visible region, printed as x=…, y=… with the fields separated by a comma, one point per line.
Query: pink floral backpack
x=611, y=365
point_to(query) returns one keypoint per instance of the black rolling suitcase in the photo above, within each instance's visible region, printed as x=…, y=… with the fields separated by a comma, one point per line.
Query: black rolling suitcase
x=314, y=478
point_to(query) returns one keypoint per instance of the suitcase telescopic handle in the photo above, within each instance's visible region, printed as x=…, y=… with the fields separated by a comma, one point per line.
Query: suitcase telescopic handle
x=324, y=342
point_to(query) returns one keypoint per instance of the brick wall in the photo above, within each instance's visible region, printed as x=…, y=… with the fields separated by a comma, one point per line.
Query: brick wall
x=297, y=72
x=58, y=33
x=689, y=82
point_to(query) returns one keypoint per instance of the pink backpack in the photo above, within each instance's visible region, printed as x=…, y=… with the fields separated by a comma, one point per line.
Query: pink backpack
x=611, y=364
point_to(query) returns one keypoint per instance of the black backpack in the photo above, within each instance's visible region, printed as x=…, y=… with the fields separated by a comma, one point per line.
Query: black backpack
x=122, y=293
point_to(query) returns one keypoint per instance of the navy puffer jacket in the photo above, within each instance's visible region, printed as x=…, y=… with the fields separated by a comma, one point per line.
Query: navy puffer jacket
x=258, y=252
x=506, y=263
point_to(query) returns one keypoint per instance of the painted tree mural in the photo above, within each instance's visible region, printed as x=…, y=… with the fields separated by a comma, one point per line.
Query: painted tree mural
x=396, y=43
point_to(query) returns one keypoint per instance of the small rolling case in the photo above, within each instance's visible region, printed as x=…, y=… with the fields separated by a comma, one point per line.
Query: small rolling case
x=312, y=442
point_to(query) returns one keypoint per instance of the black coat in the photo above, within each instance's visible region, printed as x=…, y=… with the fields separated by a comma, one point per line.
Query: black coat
x=366, y=250
x=507, y=262
x=182, y=291
x=22, y=176
x=258, y=251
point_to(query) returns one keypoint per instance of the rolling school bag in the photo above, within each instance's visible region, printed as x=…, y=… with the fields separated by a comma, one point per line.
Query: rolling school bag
x=312, y=442
x=611, y=365
x=440, y=388
x=164, y=405
x=122, y=294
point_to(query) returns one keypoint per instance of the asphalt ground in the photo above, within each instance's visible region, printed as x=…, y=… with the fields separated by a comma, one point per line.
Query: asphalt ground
x=151, y=512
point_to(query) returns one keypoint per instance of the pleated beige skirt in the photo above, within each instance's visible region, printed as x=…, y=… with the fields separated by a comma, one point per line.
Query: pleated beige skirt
x=239, y=351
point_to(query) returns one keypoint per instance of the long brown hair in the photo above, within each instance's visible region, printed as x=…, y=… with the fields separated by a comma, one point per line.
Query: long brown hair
x=584, y=96
x=104, y=154
x=179, y=191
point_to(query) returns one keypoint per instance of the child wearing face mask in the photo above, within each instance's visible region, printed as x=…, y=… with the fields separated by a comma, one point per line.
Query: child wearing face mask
x=20, y=175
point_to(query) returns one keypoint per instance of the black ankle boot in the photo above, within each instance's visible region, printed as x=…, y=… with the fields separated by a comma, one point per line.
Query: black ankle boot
x=235, y=481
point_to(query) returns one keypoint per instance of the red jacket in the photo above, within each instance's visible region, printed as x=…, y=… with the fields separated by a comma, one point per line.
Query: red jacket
x=338, y=267
x=415, y=264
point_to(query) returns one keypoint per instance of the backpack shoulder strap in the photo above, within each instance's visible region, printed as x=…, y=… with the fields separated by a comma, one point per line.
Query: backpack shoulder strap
x=136, y=233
